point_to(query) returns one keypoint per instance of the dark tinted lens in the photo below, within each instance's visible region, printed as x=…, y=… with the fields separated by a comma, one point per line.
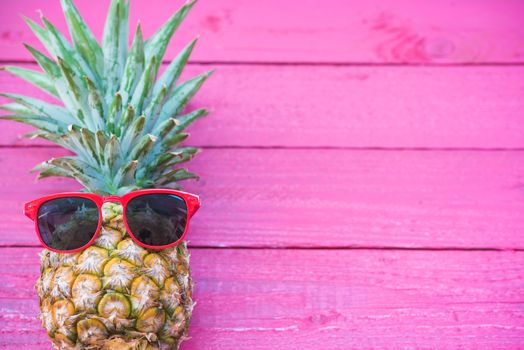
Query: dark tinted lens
x=157, y=219
x=67, y=223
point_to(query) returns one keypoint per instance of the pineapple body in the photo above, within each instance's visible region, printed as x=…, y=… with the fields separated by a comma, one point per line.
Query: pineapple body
x=116, y=294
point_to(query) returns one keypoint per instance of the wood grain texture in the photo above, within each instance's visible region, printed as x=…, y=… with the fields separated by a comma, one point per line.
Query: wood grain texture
x=311, y=299
x=316, y=78
x=403, y=107
x=391, y=31
x=327, y=198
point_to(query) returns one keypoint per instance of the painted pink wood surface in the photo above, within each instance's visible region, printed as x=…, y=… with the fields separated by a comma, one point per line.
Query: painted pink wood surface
x=452, y=107
x=465, y=193
x=328, y=198
x=321, y=299
x=391, y=31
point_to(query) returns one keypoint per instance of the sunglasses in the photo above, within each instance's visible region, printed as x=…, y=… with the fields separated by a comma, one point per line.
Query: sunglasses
x=154, y=218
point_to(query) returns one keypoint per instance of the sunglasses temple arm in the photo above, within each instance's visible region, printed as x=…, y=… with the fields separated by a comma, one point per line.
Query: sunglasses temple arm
x=29, y=210
x=196, y=205
x=193, y=211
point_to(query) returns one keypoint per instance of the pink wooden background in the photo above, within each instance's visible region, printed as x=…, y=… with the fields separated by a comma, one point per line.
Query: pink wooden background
x=362, y=173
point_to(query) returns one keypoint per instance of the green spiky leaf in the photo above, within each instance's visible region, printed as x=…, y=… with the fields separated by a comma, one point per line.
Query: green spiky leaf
x=173, y=71
x=43, y=81
x=134, y=65
x=123, y=126
x=157, y=44
x=181, y=96
x=144, y=86
x=83, y=38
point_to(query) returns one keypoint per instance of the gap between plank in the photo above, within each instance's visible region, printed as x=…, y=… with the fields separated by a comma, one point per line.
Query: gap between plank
x=335, y=148
x=349, y=247
x=323, y=64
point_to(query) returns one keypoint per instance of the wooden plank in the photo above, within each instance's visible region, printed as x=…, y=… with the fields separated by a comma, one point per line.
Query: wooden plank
x=459, y=107
x=323, y=198
x=289, y=299
x=394, y=31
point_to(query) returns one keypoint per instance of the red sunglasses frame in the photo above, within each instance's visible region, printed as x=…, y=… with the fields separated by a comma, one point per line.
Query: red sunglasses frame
x=192, y=202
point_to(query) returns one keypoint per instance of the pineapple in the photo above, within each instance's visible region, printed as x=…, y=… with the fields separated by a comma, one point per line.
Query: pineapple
x=123, y=127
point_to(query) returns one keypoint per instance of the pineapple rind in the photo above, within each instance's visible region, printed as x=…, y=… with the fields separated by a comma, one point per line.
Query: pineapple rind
x=120, y=296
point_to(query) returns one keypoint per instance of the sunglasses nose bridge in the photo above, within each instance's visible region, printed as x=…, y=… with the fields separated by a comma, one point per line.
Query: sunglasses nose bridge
x=112, y=199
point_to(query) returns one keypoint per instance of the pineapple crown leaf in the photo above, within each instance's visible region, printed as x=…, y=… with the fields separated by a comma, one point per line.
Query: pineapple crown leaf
x=41, y=80
x=122, y=119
